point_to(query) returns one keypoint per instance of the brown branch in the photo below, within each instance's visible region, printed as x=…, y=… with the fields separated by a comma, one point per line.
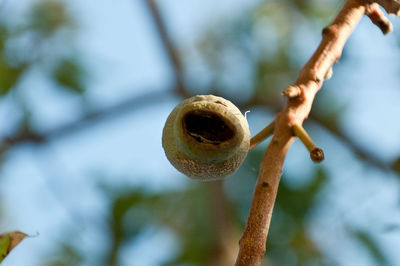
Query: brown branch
x=225, y=246
x=391, y=6
x=171, y=52
x=377, y=17
x=297, y=109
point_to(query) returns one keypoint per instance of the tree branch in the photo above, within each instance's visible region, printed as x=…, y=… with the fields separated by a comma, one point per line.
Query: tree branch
x=171, y=52
x=297, y=109
x=391, y=6
x=225, y=246
x=129, y=105
x=377, y=17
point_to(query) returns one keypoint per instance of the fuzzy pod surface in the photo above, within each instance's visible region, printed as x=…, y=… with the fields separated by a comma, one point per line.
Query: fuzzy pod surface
x=206, y=137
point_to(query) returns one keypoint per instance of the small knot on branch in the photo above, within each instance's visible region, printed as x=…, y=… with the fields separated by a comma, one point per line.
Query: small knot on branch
x=265, y=184
x=292, y=92
x=328, y=74
x=331, y=30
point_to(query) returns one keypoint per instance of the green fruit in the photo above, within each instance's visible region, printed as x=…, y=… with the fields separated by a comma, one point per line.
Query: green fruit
x=206, y=137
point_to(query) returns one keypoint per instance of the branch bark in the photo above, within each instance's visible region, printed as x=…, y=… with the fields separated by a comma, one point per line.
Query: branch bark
x=297, y=109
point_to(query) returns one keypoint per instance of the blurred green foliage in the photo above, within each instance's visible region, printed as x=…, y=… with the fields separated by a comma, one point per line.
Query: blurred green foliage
x=135, y=210
x=9, y=73
x=47, y=19
x=48, y=16
x=69, y=73
x=370, y=244
x=65, y=254
x=8, y=77
x=4, y=246
x=190, y=215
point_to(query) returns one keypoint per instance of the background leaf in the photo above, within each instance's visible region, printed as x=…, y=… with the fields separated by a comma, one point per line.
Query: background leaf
x=4, y=245
x=9, y=241
x=69, y=74
x=9, y=76
x=371, y=245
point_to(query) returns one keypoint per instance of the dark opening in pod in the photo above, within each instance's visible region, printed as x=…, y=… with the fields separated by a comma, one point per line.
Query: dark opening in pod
x=207, y=127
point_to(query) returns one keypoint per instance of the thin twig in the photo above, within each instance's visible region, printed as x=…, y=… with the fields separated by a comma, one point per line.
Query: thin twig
x=332, y=129
x=377, y=17
x=253, y=241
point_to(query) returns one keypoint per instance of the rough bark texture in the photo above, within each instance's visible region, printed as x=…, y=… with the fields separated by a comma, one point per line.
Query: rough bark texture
x=253, y=241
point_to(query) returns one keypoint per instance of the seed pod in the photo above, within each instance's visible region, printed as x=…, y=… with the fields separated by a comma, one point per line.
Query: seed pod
x=206, y=137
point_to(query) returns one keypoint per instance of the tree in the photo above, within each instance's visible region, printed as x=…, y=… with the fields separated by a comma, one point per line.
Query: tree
x=204, y=218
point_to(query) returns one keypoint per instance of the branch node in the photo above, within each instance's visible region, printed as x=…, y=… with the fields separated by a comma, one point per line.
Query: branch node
x=328, y=74
x=326, y=30
x=292, y=92
x=330, y=31
x=265, y=184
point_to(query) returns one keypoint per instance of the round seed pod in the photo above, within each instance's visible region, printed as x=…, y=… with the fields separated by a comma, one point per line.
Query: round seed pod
x=206, y=137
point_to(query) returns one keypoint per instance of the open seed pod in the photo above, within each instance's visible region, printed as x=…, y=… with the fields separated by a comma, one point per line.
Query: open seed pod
x=206, y=137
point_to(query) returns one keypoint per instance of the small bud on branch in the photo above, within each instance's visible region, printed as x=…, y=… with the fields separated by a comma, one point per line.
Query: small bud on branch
x=292, y=92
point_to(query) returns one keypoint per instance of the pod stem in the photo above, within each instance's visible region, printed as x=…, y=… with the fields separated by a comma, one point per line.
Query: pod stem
x=262, y=135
